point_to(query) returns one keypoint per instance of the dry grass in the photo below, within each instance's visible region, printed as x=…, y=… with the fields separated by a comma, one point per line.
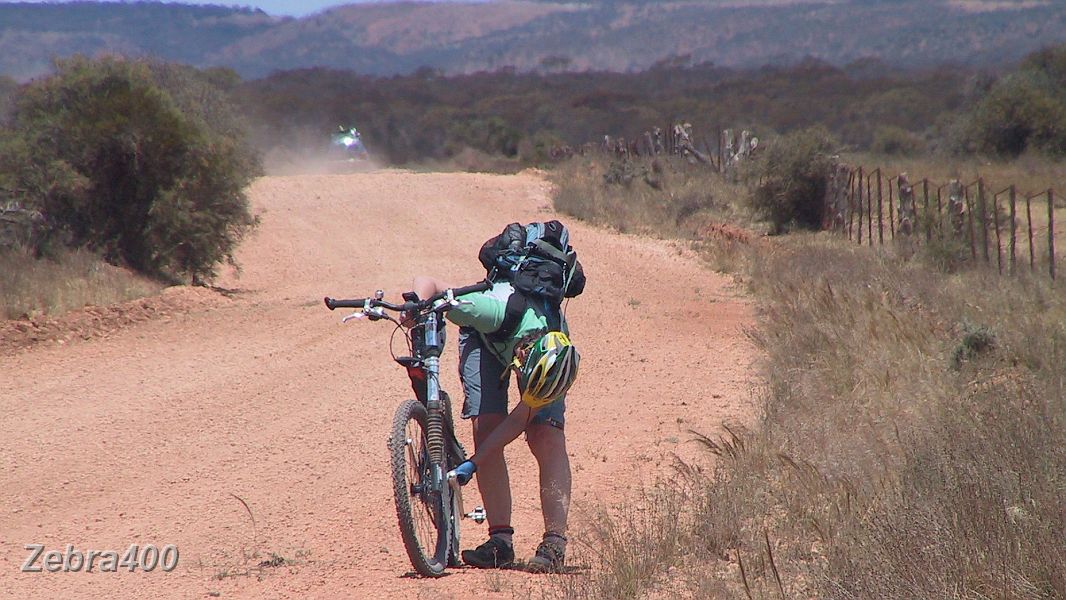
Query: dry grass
x=665, y=196
x=32, y=287
x=912, y=444
x=934, y=464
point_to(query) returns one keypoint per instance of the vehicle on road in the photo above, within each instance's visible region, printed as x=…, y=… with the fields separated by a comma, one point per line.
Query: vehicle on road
x=347, y=145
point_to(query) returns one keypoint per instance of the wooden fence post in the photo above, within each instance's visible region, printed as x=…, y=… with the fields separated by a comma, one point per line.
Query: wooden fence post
x=940, y=212
x=718, y=147
x=969, y=219
x=1029, y=220
x=983, y=207
x=851, y=201
x=1051, y=232
x=906, y=209
x=859, y=205
x=928, y=219
x=956, y=207
x=995, y=223
x=891, y=216
x=880, y=209
x=1013, y=227
x=869, y=210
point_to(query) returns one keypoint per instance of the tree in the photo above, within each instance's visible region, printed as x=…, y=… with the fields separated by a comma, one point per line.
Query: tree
x=153, y=179
x=1020, y=112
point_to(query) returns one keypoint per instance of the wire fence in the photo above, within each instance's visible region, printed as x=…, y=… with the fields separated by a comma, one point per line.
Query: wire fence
x=720, y=150
x=1008, y=227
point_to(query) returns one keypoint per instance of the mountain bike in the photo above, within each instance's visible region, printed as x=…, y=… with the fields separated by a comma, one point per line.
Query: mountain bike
x=422, y=445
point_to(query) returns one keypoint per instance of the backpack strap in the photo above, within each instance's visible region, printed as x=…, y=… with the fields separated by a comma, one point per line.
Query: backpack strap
x=567, y=259
x=551, y=251
x=517, y=303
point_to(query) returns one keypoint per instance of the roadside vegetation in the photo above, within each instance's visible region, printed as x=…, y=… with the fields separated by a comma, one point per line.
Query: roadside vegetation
x=912, y=437
x=145, y=163
x=505, y=120
x=521, y=117
x=32, y=287
x=142, y=164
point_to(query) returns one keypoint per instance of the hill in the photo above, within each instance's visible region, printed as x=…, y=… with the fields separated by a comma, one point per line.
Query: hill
x=463, y=37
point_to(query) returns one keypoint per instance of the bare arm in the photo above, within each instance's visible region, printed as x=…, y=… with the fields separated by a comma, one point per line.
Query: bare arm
x=426, y=286
x=505, y=432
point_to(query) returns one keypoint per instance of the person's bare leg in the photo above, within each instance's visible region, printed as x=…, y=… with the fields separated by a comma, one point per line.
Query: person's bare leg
x=492, y=479
x=548, y=445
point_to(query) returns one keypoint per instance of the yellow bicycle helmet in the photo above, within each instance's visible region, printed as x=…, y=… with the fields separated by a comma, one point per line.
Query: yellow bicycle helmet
x=548, y=370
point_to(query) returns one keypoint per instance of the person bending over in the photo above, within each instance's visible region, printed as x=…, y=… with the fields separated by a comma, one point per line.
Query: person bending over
x=546, y=363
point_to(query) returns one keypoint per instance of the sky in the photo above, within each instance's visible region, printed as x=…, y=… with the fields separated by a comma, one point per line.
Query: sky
x=296, y=8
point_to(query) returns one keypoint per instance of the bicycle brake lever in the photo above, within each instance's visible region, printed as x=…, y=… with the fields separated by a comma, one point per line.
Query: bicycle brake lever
x=355, y=315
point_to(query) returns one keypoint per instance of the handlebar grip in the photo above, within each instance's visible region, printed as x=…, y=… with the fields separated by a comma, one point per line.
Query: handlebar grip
x=332, y=303
x=484, y=286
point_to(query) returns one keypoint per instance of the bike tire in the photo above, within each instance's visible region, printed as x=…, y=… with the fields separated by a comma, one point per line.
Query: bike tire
x=421, y=514
x=456, y=455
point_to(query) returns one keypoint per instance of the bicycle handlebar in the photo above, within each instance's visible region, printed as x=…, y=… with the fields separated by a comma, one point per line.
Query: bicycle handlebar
x=417, y=305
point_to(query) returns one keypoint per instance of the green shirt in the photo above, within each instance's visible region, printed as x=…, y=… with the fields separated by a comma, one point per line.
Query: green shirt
x=485, y=313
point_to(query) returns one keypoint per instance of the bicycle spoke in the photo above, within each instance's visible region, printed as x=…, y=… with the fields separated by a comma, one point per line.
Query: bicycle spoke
x=419, y=476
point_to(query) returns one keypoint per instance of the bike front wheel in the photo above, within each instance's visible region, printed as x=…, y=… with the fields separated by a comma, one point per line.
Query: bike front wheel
x=424, y=521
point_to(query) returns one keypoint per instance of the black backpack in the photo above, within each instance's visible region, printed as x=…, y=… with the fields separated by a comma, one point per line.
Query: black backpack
x=541, y=265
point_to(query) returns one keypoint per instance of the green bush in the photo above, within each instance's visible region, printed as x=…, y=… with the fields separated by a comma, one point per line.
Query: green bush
x=895, y=141
x=976, y=341
x=1020, y=112
x=790, y=180
x=141, y=162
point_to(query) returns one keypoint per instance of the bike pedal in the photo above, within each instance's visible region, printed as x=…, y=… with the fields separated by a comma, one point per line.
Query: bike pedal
x=478, y=514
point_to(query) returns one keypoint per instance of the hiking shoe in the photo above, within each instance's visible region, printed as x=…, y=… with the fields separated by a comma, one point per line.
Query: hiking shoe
x=493, y=554
x=550, y=558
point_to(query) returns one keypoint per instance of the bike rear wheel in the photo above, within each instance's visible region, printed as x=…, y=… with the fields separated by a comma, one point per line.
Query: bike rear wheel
x=425, y=523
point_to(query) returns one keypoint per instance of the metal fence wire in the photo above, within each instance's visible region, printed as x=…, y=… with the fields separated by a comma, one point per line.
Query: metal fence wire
x=992, y=227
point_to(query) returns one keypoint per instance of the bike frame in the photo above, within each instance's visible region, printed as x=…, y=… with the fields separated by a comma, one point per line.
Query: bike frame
x=427, y=339
x=427, y=345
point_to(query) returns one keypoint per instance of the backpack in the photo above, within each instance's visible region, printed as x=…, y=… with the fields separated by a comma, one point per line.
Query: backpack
x=540, y=264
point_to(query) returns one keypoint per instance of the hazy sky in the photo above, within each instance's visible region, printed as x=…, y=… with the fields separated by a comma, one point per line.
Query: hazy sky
x=274, y=7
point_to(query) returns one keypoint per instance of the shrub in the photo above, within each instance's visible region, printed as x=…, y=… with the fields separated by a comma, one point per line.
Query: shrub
x=895, y=141
x=140, y=162
x=976, y=341
x=1020, y=112
x=791, y=179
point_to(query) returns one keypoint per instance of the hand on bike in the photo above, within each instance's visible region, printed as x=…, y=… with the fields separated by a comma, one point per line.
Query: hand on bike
x=408, y=318
x=463, y=473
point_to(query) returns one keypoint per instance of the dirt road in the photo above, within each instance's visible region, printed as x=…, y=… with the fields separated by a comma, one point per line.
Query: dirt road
x=149, y=435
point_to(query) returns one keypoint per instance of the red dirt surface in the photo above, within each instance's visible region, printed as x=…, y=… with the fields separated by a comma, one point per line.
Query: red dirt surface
x=147, y=434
